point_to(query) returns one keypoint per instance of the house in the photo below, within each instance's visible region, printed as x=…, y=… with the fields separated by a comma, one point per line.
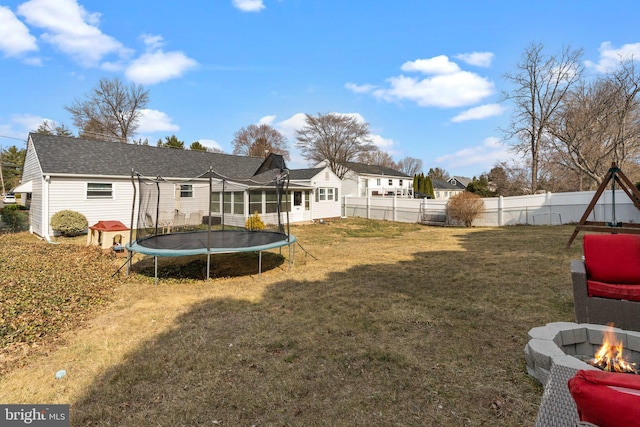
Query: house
x=362, y=180
x=460, y=181
x=443, y=190
x=96, y=178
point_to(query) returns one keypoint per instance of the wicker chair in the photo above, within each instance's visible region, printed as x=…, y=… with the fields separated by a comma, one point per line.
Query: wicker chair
x=618, y=254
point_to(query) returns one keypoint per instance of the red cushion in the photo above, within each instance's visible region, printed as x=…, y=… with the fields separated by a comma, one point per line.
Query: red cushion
x=607, y=399
x=612, y=258
x=614, y=291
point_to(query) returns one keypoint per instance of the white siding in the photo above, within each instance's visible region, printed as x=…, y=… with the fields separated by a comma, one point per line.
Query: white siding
x=32, y=172
x=71, y=193
x=326, y=208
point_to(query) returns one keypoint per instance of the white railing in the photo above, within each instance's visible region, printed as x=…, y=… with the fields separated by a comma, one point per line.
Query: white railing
x=537, y=209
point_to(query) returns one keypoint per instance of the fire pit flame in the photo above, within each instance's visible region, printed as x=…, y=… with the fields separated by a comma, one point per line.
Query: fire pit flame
x=610, y=358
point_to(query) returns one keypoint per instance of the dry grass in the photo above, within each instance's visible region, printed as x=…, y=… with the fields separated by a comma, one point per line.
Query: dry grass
x=392, y=324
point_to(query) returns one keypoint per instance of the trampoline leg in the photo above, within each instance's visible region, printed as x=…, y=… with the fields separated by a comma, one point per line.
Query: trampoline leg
x=208, y=265
x=155, y=262
x=260, y=263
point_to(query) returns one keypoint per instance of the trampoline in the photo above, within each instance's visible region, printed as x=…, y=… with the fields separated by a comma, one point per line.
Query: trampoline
x=172, y=225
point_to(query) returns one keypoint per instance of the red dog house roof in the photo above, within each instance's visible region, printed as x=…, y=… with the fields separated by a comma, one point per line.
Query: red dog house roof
x=109, y=226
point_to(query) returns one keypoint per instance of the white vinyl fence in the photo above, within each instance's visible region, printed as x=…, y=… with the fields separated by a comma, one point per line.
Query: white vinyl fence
x=537, y=209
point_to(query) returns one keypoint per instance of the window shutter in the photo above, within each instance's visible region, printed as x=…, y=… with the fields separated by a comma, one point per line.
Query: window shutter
x=317, y=195
x=335, y=194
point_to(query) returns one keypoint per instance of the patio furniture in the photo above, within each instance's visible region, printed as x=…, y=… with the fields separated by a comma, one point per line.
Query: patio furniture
x=606, y=399
x=606, y=283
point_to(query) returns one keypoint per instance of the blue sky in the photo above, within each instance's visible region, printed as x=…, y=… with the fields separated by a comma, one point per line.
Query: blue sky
x=426, y=76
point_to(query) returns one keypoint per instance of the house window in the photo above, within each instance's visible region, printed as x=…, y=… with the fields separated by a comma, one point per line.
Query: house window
x=215, y=203
x=186, y=190
x=99, y=191
x=307, y=199
x=226, y=202
x=255, y=202
x=238, y=202
x=271, y=205
x=378, y=182
x=400, y=183
x=326, y=194
x=390, y=183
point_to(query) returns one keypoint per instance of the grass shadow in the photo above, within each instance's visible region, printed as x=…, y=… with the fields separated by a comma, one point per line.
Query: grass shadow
x=426, y=341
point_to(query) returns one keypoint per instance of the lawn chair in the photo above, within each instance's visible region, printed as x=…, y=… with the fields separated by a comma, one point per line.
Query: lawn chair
x=179, y=220
x=606, y=284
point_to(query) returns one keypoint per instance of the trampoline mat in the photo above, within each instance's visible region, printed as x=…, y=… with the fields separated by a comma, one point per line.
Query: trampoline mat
x=226, y=240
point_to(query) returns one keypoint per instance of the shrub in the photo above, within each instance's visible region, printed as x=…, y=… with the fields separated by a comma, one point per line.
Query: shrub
x=254, y=222
x=69, y=223
x=465, y=207
x=15, y=219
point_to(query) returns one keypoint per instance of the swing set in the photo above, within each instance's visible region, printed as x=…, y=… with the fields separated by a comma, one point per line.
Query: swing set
x=613, y=176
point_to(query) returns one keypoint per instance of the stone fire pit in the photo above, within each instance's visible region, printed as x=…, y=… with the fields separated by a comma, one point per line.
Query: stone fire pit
x=555, y=352
x=565, y=343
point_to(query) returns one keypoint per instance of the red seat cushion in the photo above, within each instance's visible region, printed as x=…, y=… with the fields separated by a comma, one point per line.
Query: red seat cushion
x=614, y=291
x=612, y=258
x=607, y=399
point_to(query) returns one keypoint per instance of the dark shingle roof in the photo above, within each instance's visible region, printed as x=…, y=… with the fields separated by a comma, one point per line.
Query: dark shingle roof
x=304, y=173
x=375, y=170
x=64, y=155
x=439, y=184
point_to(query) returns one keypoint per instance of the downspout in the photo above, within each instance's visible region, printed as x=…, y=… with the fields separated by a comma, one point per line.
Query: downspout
x=45, y=210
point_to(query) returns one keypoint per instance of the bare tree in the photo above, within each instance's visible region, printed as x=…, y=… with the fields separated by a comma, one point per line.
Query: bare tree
x=410, y=166
x=52, y=128
x=599, y=123
x=336, y=138
x=541, y=82
x=259, y=140
x=378, y=158
x=438, y=173
x=110, y=112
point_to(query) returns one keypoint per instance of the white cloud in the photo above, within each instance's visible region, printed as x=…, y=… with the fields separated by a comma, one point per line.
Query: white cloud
x=288, y=127
x=73, y=30
x=446, y=91
x=15, y=38
x=210, y=143
x=360, y=88
x=383, y=144
x=436, y=65
x=482, y=157
x=266, y=120
x=249, y=5
x=610, y=57
x=156, y=67
x=19, y=126
x=479, y=113
x=446, y=86
x=478, y=59
x=156, y=121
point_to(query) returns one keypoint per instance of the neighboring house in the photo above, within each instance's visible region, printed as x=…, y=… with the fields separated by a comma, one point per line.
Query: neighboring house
x=95, y=179
x=443, y=190
x=364, y=180
x=459, y=181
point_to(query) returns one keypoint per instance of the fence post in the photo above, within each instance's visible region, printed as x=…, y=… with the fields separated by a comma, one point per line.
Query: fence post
x=394, y=206
x=500, y=211
x=368, y=206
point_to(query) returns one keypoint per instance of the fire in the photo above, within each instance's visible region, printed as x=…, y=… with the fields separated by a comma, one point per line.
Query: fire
x=610, y=358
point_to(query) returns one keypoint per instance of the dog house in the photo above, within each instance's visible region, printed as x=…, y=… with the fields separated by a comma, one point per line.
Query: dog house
x=108, y=234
